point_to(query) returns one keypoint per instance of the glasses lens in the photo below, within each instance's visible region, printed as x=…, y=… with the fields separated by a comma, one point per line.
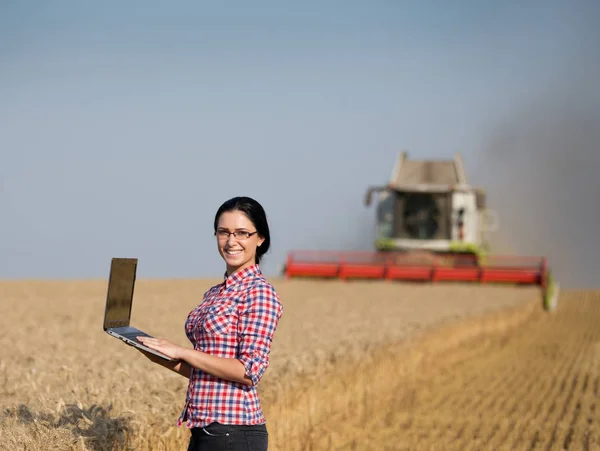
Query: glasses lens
x=240, y=235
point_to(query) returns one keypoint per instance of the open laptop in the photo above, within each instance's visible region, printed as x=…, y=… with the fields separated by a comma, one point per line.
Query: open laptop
x=119, y=299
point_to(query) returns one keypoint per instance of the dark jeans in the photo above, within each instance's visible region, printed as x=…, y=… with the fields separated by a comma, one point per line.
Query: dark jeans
x=226, y=437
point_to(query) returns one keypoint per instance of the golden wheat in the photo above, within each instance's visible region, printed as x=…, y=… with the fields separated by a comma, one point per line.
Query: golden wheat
x=65, y=384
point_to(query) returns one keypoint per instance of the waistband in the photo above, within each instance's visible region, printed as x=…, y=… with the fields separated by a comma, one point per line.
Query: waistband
x=219, y=430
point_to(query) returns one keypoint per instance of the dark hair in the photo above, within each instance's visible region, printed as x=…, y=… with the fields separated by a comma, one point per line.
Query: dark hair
x=255, y=213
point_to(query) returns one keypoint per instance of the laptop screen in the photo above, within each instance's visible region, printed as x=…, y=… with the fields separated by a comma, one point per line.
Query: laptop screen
x=120, y=292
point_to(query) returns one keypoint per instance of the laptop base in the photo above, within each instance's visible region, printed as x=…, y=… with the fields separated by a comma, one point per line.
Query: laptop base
x=128, y=335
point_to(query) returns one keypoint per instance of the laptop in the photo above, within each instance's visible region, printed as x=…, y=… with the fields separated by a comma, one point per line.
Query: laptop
x=119, y=299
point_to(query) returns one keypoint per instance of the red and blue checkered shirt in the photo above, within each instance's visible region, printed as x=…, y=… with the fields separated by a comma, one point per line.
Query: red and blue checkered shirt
x=236, y=319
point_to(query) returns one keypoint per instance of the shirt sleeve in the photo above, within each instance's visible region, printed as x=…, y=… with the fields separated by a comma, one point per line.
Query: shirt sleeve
x=258, y=322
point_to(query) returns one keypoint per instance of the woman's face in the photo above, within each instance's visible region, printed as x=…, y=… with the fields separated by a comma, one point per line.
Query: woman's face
x=238, y=252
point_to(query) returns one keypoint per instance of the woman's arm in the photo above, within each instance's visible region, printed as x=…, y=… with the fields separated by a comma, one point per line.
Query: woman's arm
x=224, y=368
x=258, y=321
x=230, y=369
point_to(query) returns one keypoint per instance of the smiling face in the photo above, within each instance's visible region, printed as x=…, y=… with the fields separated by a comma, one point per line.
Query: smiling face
x=238, y=253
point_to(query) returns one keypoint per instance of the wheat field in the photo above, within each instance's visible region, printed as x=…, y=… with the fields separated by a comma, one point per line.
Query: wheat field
x=357, y=365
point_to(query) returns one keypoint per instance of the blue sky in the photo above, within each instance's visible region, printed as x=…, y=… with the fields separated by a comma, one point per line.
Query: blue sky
x=124, y=125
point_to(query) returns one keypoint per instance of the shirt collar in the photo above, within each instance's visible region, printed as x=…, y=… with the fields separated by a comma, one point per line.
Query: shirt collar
x=240, y=275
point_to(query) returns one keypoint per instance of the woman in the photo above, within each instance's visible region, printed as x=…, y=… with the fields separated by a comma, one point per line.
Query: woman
x=231, y=331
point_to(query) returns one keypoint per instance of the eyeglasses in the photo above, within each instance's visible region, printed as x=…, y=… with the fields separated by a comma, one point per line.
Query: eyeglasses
x=238, y=234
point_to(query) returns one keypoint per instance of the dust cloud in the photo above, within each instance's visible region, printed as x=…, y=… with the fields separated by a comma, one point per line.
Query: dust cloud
x=542, y=164
x=540, y=159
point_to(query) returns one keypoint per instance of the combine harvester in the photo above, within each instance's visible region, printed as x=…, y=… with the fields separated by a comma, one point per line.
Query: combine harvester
x=431, y=226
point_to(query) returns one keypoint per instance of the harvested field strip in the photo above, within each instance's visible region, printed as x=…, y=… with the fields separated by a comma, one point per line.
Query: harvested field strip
x=378, y=392
x=534, y=387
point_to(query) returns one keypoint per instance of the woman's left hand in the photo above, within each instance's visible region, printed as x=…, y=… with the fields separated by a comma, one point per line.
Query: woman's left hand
x=164, y=346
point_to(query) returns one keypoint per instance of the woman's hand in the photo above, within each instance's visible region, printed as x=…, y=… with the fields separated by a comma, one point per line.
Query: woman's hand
x=163, y=346
x=225, y=368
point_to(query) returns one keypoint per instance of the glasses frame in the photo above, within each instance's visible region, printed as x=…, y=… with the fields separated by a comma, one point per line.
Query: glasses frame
x=234, y=234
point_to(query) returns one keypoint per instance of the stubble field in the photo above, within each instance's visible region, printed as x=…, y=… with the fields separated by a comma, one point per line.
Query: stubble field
x=357, y=365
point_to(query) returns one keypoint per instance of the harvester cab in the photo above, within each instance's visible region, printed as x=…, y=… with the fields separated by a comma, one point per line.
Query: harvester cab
x=429, y=206
x=431, y=226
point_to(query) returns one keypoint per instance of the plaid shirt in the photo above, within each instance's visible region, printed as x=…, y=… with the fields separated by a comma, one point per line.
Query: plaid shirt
x=236, y=319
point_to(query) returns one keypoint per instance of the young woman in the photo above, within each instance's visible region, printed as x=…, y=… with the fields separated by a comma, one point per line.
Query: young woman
x=231, y=331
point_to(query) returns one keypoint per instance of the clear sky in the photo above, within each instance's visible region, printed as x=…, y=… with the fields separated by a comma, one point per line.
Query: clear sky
x=124, y=125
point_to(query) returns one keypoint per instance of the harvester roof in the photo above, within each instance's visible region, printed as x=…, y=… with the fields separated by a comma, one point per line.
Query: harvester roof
x=427, y=172
x=433, y=176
